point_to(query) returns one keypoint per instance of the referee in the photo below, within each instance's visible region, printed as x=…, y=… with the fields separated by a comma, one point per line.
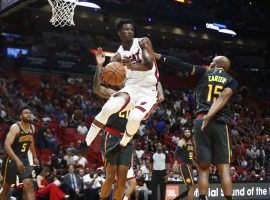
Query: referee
x=212, y=141
x=160, y=169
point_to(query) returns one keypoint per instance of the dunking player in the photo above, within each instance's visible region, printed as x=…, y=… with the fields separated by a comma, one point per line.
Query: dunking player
x=117, y=164
x=140, y=93
x=213, y=92
x=185, y=150
x=18, y=141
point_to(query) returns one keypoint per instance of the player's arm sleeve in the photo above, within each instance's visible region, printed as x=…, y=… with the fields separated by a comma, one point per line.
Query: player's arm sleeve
x=233, y=84
x=179, y=64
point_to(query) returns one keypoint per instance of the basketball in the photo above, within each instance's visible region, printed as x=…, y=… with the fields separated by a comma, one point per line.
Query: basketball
x=114, y=73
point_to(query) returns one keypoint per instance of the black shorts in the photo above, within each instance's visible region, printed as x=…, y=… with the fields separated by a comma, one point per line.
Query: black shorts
x=187, y=175
x=123, y=157
x=9, y=171
x=213, y=144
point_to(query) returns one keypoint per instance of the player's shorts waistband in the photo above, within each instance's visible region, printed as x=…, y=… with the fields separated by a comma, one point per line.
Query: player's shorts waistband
x=113, y=131
x=200, y=115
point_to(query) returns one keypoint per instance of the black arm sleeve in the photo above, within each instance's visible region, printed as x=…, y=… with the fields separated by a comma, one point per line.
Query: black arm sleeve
x=233, y=84
x=179, y=64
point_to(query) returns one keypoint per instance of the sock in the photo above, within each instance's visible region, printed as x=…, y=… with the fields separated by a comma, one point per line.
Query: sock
x=125, y=198
x=92, y=134
x=133, y=124
x=203, y=197
x=125, y=139
x=228, y=197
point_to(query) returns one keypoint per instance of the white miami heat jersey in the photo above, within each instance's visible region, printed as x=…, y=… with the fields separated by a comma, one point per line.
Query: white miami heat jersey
x=146, y=79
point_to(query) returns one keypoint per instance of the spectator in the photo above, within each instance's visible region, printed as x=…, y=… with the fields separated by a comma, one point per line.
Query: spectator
x=139, y=151
x=141, y=186
x=50, y=139
x=69, y=157
x=73, y=182
x=40, y=138
x=243, y=162
x=195, y=175
x=234, y=175
x=145, y=168
x=46, y=189
x=253, y=176
x=92, y=184
x=82, y=129
x=81, y=161
x=58, y=161
x=243, y=176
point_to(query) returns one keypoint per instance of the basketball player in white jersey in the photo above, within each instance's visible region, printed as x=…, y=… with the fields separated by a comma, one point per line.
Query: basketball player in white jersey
x=140, y=93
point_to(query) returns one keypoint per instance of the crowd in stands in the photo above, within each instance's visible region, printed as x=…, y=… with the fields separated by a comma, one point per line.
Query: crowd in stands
x=65, y=105
x=57, y=107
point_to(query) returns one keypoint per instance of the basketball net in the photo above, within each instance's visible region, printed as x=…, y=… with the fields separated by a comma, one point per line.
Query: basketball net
x=62, y=12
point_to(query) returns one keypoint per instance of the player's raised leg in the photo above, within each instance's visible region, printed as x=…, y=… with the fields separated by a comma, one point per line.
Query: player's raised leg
x=113, y=105
x=141, y=110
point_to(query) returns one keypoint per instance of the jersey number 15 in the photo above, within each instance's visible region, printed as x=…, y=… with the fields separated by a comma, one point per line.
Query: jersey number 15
x=213, y=92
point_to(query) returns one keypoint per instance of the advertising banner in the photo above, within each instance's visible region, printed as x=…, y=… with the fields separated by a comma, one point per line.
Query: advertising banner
x=241, y=191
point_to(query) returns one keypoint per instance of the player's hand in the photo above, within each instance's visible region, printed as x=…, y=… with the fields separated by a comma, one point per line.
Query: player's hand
x=20, y=166
x=181, y=143
x=100, y=57
x=148, y=46
x=36, y=161
x=206, y=120
x=126, y=61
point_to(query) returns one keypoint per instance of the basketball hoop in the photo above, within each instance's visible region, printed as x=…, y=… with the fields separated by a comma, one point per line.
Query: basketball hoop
x=62, y=12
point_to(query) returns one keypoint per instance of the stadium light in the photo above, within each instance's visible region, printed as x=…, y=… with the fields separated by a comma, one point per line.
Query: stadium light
x=220, y=28
x=88, y=4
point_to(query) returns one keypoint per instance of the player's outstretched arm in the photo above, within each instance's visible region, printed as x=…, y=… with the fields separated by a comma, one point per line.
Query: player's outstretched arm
x=148, y=62
x=13, y=131
x=174, y=62
x=217, y=105
x=97, y=88
x=160, y=92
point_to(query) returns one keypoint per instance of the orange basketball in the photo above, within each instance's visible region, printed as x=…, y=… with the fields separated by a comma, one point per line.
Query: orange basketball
x=114, y=73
